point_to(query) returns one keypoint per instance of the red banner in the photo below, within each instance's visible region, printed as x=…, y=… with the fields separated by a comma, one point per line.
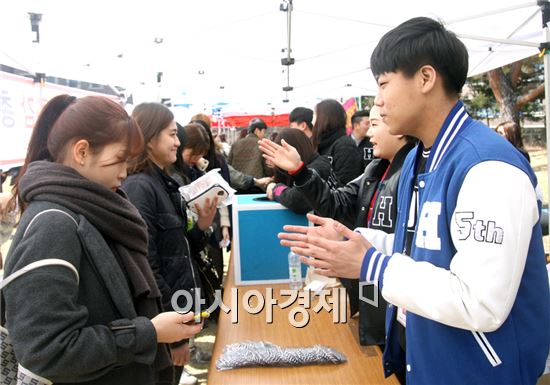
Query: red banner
x=280, y=120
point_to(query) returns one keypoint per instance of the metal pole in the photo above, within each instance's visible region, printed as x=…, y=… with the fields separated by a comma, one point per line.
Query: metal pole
x=545, y=18
x=547, y=96
x=288, y=27
x=288, y=61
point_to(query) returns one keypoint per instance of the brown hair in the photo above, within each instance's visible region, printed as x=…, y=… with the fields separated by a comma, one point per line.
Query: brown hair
x=152, y=119
x=194, y=136
x=330, y=116
x=213, y=148
x=66, y=119
x=98, y=120
x=38, y=143
x=205, y=118
x=512, y=133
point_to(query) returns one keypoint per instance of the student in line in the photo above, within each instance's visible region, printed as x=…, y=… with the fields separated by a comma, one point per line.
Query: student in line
x=106, y=327
x=155, y=194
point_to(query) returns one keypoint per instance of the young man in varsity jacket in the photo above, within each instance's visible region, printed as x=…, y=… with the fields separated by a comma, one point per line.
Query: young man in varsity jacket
x=465, y=269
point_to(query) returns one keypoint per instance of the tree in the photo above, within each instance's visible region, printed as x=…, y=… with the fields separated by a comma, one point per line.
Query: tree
x=479, y=98
x=516, y=85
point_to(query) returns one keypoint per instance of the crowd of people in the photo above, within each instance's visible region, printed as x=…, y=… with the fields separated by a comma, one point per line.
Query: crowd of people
x=424, y=208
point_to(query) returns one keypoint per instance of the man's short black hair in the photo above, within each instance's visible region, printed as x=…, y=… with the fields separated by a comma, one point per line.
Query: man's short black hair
x=301, y=114
x=422, y=41
x=256, y=123
x=356, y=118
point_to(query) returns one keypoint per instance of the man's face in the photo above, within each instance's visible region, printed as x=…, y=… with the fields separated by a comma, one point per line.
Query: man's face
x=260, y=133
x=400, y=102
x=360, y=129
x=302, y=126
x=294, y=125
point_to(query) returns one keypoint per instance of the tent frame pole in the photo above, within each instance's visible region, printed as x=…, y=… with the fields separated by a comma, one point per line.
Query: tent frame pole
x=545, y=11
x=496, y=40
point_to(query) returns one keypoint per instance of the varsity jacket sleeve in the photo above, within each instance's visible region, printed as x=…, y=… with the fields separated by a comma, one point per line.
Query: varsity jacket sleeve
x=379, y=239
x=491, y=229
x=339, y=204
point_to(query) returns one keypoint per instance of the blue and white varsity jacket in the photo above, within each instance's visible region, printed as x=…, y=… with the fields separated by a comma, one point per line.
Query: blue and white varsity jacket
x=475, y=287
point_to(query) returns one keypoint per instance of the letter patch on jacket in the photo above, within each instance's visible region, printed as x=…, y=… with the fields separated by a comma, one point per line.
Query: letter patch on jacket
x=368, y=153
x=483, y=231
x=426, y=232
x=382, y=212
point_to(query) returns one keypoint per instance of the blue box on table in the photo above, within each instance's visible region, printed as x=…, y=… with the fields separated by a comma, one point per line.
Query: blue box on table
x=258, y=256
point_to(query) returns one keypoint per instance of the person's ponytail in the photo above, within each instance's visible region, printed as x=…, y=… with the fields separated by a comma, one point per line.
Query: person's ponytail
x=38, y=143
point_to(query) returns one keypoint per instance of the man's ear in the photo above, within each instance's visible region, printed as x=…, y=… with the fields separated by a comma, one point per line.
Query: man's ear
x=427, y=76
x=80, y=151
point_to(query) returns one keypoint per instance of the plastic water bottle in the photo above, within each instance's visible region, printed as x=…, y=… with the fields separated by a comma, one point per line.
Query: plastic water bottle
x=294, y=271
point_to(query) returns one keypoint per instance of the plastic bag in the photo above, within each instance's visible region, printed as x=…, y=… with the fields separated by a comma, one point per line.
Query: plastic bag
x=260, y=353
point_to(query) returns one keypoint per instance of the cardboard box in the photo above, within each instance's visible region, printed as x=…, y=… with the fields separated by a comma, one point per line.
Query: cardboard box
x=258, y=256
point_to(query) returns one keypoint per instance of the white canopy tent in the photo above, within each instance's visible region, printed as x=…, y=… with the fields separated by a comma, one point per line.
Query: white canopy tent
x=228, y=53
x=215, y=51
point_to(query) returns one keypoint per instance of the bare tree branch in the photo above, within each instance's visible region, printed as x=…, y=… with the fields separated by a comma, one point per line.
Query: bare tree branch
x=495, y=79
x=515, y=73
x=529, y=96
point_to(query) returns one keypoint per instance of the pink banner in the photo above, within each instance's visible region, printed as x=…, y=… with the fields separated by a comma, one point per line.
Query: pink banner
x=21, y=100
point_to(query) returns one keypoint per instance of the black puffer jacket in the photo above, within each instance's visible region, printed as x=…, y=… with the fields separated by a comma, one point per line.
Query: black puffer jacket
x=366, y=154
x=171, y=245
x=292, y=198
x=343, y=154
x=347, y=159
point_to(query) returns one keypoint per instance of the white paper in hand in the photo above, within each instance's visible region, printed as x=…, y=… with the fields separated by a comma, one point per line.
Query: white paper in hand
x=209, y=185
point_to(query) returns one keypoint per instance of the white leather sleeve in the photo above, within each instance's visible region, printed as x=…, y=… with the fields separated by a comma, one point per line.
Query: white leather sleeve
x=491, y=230
x=381, y=241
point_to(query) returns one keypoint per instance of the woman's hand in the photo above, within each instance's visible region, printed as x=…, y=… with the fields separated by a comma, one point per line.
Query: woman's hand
x=206, y=213
x=269, y=190
x=283, y=156
x=180, y=355
x=225, y=235
x=263, y=182
x=172, y=327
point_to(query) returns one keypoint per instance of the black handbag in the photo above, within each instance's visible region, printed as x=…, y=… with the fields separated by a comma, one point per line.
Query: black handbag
x=209, y=278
